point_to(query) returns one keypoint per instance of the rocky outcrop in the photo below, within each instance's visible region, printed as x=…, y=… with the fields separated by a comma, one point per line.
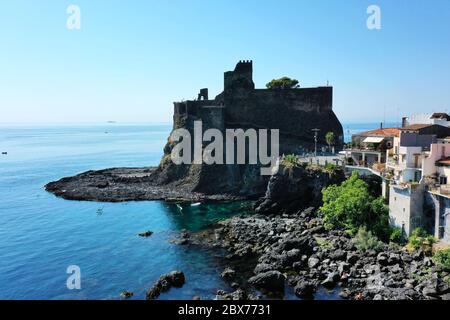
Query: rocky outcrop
x=130, y=184
x=297, y=247
x=297, y=187
x=172, y=279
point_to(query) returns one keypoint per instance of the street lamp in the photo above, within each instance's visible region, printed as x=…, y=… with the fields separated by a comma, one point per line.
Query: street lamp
x=316, y=132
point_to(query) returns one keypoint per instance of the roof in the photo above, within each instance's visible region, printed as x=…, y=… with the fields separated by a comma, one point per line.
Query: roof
x=444, y=161
x=440, y=115
x=417, y=126
x=373, y=139
x=384, y=132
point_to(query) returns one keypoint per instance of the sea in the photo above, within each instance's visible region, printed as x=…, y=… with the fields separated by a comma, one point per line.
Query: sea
x=42, y=237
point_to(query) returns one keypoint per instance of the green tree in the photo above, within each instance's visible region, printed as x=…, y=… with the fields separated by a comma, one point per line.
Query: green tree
x=350, y=206
x=283, y=83
x=329, y=137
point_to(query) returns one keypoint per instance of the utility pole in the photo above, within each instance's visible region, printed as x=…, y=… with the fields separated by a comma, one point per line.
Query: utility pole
x=316, y=131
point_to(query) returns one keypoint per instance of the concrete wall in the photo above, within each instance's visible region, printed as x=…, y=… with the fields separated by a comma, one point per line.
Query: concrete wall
x=406, y=207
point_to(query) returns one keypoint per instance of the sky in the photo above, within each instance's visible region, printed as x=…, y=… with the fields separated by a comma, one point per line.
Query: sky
x=131, y=59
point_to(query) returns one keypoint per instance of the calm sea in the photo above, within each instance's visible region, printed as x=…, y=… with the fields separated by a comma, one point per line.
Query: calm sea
x=41, y=235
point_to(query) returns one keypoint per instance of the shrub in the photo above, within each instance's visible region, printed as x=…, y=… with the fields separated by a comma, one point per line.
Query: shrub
x=290, y=160
x=350, y=206
x=396, y=235
x=365, y=240
x=442, y=259
x=283, y=83
x=330, y=167
x=420, y=240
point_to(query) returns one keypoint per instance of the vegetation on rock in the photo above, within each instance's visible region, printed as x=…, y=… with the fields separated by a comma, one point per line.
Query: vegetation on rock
x=350, y=206
x=283, y=83
x=442, y=259
x=420, y=240
x=364, y=240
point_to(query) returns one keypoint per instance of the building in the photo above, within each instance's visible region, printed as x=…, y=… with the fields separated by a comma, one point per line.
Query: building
x=370, y=148
x=440, y=118
x=418, y=172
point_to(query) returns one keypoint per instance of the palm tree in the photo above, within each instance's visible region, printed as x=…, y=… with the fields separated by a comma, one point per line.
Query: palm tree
x=329, y=137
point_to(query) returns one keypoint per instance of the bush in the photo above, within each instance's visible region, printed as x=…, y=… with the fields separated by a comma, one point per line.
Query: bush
x=420, y=240
x=350, y=206
x=365, y=240
x=396, y=235
x=442, y=259
x=330, y=167
x=283, y=83
x=290, y=160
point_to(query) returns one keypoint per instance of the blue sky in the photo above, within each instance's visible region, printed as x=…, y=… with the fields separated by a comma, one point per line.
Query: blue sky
x=132, y=59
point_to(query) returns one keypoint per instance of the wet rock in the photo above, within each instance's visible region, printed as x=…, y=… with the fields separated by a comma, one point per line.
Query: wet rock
x=235, y=295
x=272, y=281
x=305, y=290
x=172, y=279
x=126, y=294
x=228, y=274
x=145, y=234
x=331, y=280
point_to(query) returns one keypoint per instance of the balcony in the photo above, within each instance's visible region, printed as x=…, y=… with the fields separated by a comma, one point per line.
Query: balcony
x=441, y=189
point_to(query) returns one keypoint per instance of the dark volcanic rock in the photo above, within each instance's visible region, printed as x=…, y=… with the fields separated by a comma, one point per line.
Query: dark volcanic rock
x=296, y=188
x=305, y=290
x=129, y=184
x=272, y=281
x=172, y=279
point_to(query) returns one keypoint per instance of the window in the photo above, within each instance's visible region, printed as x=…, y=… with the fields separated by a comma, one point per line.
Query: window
x=442, y=180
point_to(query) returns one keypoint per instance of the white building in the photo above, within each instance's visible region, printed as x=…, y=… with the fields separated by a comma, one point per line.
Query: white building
x=439, y=118
x=419, y=172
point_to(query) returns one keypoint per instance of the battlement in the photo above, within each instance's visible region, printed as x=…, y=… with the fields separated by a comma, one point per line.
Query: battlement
x=294, y=111
x=241, y=77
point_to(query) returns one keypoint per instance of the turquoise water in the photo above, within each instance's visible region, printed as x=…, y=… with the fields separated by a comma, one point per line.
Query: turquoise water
x=41, y=235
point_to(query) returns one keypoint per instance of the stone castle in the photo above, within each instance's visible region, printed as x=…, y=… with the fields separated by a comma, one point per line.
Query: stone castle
x=295, y=112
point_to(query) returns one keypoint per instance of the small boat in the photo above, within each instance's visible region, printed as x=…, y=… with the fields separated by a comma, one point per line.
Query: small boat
x=4, y=152
x=196, y=204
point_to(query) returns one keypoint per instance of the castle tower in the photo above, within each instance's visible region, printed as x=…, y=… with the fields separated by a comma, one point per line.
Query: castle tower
x=241, y=77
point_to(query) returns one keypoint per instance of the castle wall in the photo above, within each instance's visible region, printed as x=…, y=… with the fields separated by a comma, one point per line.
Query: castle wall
x=295, y=112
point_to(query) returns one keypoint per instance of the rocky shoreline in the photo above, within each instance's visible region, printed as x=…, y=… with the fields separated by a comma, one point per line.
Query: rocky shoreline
x=284, y=244
x=128, y=184
x=295, y=250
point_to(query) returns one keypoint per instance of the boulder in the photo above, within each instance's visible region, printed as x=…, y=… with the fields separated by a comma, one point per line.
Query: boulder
x=272, y=281
x=313, y=262
x=228, y=274
x=331, y=280
x=305, y=290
